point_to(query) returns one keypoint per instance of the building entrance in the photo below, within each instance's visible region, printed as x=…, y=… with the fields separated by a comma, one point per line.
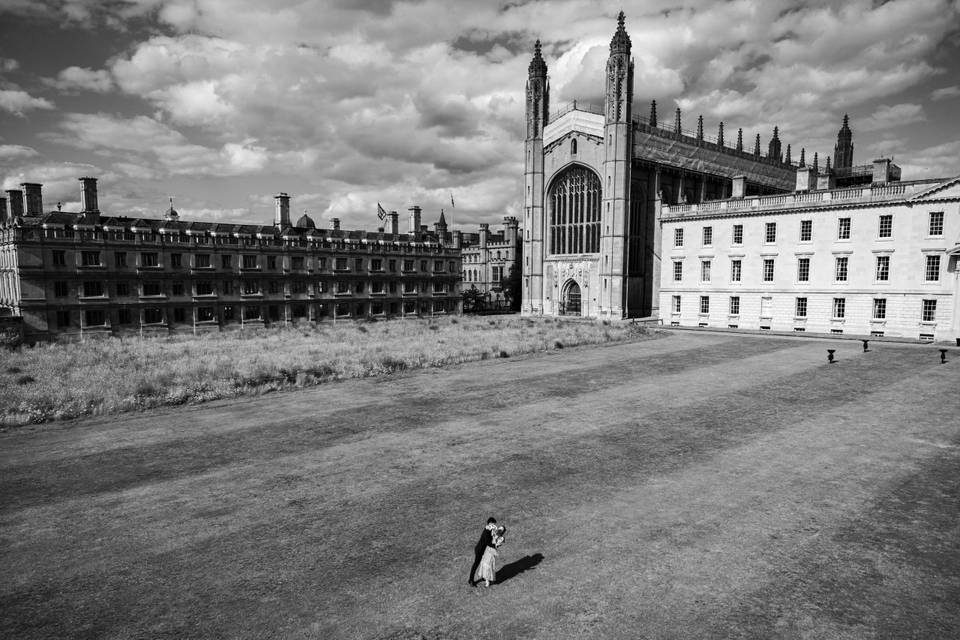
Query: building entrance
x=570, y=304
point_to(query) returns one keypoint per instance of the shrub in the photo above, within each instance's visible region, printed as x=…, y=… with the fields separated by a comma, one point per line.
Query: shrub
x=14, y=370
x=28, y=379
x=558, y=345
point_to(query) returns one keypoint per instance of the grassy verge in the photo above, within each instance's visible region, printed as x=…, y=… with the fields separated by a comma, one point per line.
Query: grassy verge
x=66, y=380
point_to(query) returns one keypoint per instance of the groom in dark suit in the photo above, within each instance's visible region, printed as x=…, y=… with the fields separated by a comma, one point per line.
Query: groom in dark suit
x=486, y=540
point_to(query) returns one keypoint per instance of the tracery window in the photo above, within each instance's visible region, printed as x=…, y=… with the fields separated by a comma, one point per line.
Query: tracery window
x=574, y=212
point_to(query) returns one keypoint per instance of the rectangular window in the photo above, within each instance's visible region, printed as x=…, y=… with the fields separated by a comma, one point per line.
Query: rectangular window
x=768, y=270
x=251, y=287
x=343, y=287
x=735, y=270
x=929, y=311
x=800, y=308
x=358, y=264
x=359, y=287
x=123, y=289
x=936, y=223
x=879, y=308
x=95, y=318
x=886, y=226
x=408, y=265
x=60, y=289
x=376, y=265
x=227, y=288
x=770, y=233
x=677, y=270
x=205, y=314
x=272, y=263
x=149, y=259
x=152, y=315
x=392, y=266
x=226, y=262
x=321, y=263
x=152, y=289
x=204, y=288
x=376, y=287
x=707, y=236
x=176, y=260
x=839, y=307
x=803, y=269
x=63, y=319
x=409, y=287
x=704, y=271
x=883, y=268
x=843, y=229
x=704, y=304
x=452, y=266
x=423, y=266
x=177, y=288
x=92, y=288
x=734, y=305
x=932, y=273
x=297, y=262
x=202, y=260
x=438, y=265
x=120, y=258
x=841, y=268
x=738, y=234
x=59, y=258
x=806, y=230
x=678, y=237
x=676, y=304
x=340, y=264
x=90, y=258
x=249, y=261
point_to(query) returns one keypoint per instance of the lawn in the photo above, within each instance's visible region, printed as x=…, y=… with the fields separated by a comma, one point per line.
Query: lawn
x=696, y=486
x=60, y=380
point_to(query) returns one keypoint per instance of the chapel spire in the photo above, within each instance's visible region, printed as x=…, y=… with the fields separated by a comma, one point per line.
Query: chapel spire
x=843, y=152
x=620, y=43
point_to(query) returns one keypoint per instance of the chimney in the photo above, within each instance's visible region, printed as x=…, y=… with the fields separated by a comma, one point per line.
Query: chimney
x=33, y=197
x=414, y=219
x=881, y=170
x=394, y=225
x=739, y=187
x=457, y=239
x=336, y=223
x=281, y=216
x=3, y=210
x=484, y=232
x=15, y=197
x=88, y=195
x=806, y=179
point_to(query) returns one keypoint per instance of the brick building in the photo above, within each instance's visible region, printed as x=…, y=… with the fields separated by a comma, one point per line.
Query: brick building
x=88, y=272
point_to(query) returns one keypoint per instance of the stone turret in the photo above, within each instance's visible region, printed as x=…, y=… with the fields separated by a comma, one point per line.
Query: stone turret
x=440, y=228
x=843, y=152
x=281, y=215
x=773, y=149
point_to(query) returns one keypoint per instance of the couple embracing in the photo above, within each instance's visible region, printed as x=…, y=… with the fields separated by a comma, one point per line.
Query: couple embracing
x=485, y=561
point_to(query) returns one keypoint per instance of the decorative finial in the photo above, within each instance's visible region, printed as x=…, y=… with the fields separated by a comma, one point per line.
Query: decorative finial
x=653, y=113
x=620, y=20
x=803, y=159
x=59, y=206
x=756, y=146
x=740, y=139
x=788, y=159
x=816, y=163
x=537, y=66
x=720, y=134
x=827, y=170
x=676, y=124
x=700, y=127
x=621, y=41
x=846, y=120
x=776, y=132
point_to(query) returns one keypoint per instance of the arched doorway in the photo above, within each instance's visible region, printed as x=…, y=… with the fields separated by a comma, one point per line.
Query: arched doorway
x=570, y=299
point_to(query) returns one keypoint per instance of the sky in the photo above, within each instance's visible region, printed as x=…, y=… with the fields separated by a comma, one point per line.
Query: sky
x=221, y=104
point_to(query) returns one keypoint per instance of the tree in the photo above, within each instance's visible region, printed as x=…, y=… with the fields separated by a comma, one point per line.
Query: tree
x=473, y=300
x=513, y=289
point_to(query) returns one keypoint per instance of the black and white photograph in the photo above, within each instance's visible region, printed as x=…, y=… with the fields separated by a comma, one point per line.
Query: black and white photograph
x=508, y=319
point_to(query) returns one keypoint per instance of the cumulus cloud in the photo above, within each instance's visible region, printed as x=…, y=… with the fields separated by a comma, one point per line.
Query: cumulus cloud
x=83, y=79
x=19, y=102
x=16, y=152
x=944, y=93
x=8, y=64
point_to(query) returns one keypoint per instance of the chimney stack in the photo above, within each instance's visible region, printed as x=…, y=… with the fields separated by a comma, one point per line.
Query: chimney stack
x=881, y=171
x=15, y=197
x=457, y=238
x=88, y=195
x=806, y=178
x=484, y=232
x=281, y=216
x=414, y=219
x=739, y=187
x=336, y=223
x=394, y=227
x=33, y=198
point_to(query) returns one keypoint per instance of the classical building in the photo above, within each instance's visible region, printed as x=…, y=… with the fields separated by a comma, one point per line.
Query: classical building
x=88, y=272
x=878, y=259
x=594, y=179
x=489, y=257
x=627, y=218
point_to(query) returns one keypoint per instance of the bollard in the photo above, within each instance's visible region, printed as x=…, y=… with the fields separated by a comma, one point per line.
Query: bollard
x=943, y=356
x=865, y=342
x=830, y=355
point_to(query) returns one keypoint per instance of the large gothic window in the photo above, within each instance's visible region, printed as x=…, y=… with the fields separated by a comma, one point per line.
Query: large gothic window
x=574, y=212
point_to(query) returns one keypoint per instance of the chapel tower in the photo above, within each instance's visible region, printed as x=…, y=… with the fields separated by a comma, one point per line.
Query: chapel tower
x=615, y=222
x=538, y=105
x=843, y=152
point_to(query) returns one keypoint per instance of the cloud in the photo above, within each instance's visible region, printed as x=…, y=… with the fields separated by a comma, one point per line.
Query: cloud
x=938, y=161
x=898, y=115
x=8, y=64
x=20, y=102
x=81, y=78
x=944, y=93
x=15, y=152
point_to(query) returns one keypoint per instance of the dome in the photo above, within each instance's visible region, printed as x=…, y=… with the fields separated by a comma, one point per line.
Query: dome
x=306, y=222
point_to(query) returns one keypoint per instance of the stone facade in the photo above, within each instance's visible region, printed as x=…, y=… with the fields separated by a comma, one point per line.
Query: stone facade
x=489, y=257
x=85, y=272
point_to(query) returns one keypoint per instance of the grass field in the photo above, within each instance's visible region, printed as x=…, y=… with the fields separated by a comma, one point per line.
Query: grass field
x=696, y=486
x=60, y=380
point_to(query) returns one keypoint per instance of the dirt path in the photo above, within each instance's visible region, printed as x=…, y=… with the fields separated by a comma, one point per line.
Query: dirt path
x=700, y=485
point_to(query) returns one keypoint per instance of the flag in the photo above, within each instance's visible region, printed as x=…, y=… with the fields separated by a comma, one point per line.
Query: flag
x=451, y=201
x=381, y=212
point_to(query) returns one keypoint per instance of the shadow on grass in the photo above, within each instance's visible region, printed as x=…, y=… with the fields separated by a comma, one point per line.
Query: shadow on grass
x=514, y=569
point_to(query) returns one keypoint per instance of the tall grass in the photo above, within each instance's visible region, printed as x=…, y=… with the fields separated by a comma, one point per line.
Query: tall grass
x=55, y=381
